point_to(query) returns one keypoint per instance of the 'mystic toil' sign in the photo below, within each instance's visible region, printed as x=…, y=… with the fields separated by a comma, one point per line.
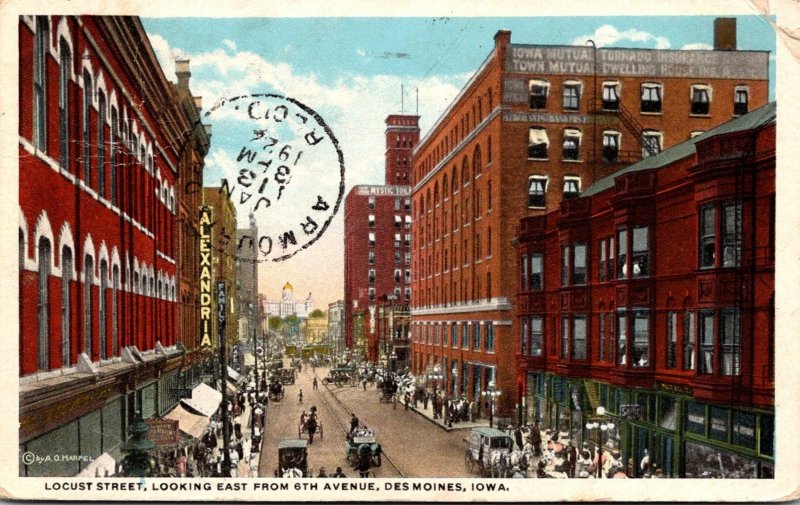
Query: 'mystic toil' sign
x=205, y=276
x=579, y=60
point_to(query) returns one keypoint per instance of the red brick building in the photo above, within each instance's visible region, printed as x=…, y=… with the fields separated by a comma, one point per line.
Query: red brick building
x=103, y=139
x=536, y=125
x=377, y=242
x=652, y=295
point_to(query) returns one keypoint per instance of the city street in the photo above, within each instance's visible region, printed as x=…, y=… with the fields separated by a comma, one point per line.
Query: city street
x=412, y=445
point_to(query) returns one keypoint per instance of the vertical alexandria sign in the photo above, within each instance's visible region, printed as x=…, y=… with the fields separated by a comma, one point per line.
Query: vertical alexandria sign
x=205, y=276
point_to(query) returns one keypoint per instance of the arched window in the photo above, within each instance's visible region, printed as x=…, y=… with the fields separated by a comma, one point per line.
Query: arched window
x=464, y=172
x=45, y=252
x=477, y=162
x=40, y=50
x=114, y=311
x=101, y=309
x=64, y=73
x=87, y=139
x=88, y=276
x=101, y=144
x=66, y=305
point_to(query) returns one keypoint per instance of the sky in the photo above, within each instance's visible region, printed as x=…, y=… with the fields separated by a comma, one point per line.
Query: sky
x=350, y=71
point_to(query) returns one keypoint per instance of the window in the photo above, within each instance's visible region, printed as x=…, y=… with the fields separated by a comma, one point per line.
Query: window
x=396, y=204
x=640, y=253
x=371, y=292
x=407, y=239
x=537, y=332
x=489, y=336
x=66, y=301
x=740, y=100
x=672, y=339
x=45, y=252
x=398, y=221
x=708, y=239
x=572, y=94
x=701, y=99
x=64, y=72
x=372, y=239
x=371, y=202
x=101, y=308
x=622, y=253
x=572, y=144
x=371, y=276
x=641, y=338
x=397, y=241
x=602, y=328
x=40, y=50
x=407, y=293
x=536, y=272
x=371, y=257
x=537, y=189
x=579, y=264
x=731, y=342
x=408, y=222
x=397, y=274
x=622, y=338
x=371, y=221
x=88, y=275
x=601, y=270
x=489, y=195
x=611, y=95
x=87, y=107
x=651, y=143
x=454, y=335
x=524, y=337
x=537, y=143
x=397, y=259
x=579, y=337
x=476, y=336
x=564, y=337
x=572, y=187
x=611, y=262
x=465, y=336
x=565, y=265
x=706, y=327
x=611, y=145
x=113, y=164
x=407, y=258
x=688, y=340
x=651, y=97
x=101, y=144
x=115, y=311
x=524, y=273
x=731, y=234
x=538, y=93
x=407, y=204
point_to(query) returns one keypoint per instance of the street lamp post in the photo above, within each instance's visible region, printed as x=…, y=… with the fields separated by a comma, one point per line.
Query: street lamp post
x=491, y=394
x=602, y=424
x=436, y=376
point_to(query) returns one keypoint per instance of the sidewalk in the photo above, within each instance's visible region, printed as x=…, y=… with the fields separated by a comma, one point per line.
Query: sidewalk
x=244, y=419
x=428, y=414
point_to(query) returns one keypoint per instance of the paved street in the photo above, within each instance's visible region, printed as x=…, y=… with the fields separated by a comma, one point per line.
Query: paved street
x=412, y=445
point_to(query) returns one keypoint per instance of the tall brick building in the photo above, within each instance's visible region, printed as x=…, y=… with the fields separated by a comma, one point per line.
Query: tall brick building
x=377, y=240
x=536, y=125
x=667, y=322
x=103, y=140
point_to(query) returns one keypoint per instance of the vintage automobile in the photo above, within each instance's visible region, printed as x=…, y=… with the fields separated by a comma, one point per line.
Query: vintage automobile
x=339, y=376
x=362, y=450
x=292, y=458
x=287, y=375
x=276, y=392
x=483, y=443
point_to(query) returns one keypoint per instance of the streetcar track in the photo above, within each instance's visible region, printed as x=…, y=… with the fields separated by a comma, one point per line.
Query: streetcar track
x=384, y=455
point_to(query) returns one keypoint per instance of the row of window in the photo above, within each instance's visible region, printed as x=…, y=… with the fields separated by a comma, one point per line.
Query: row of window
x=442, y=261
x=472, y=335
x=710, y=344
x=398, y=202
x=537, y=189
x=457, y=292
x=148, y=287
x=397, y=276
x=406, y=292
x=651, y=96
x=406, y=257
x=719, y=246
x=398, y=221
x=539, y=144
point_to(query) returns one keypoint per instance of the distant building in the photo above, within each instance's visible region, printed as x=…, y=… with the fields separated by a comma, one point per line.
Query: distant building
x=288, y=306
x=247, y=280
x=316, y=329
x=336, y=326
x=377, y=237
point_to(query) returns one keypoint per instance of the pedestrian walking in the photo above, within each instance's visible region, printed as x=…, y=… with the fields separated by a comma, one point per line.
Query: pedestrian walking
x=339, y=472
x=354, y=422
x=315, y=384
x=300, y=396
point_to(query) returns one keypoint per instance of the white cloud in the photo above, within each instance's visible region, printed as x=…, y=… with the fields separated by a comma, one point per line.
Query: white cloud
x=608, y=35
x=231, y=44
x=697, y=46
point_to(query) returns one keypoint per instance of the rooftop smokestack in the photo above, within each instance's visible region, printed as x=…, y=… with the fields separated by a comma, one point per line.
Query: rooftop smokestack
x=182, y=72
x=725, y=34
x=198, y=102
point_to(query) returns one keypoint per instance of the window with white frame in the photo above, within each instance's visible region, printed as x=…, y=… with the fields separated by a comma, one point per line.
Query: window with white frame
x=371, y=202
x=408, y=276
x=372, y=239
x=539, y=89
x=88, y=277
x=398, y=221
x=641, y=338
x=701, y=99
x=537, y=189
x=572, y=187
x=537, y=143
x=611, y=140
x=640, y=251
x=371, y=293
x=579, y=264
x=43, y=307
x=371, y=257
x=66, y=305
x=572, y=144
x=87, y=107
x=651, y=97
x=371, y=276
x=572, y=94
x=536, y=272
x=64, y=73
x=40, y=51
x=579, y=337
x=397, y=240
x=397, y=274
x=651, y=143
x=408, y=222
x=741, y=98
x=101, y=309
x=407, y=293
x=371, y=221
x=611, y=95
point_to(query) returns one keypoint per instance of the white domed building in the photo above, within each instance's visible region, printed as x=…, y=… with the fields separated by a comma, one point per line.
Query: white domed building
x=288, y=306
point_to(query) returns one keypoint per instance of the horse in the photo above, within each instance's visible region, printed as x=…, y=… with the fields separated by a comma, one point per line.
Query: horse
x=292, y=473
x=518, y=463
x=498, y=463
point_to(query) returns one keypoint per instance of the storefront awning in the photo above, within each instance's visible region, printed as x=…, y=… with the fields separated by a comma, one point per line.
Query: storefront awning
x=103, y=466
x=205, y=400
x=233, y=375
x=188, y=422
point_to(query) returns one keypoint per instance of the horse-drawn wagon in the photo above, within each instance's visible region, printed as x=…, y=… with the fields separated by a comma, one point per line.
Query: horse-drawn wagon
x=292, y=458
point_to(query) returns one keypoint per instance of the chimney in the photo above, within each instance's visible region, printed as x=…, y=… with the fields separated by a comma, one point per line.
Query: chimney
x=207, y=127
x=198, y=102
x=725, y=34
x=182, y=72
